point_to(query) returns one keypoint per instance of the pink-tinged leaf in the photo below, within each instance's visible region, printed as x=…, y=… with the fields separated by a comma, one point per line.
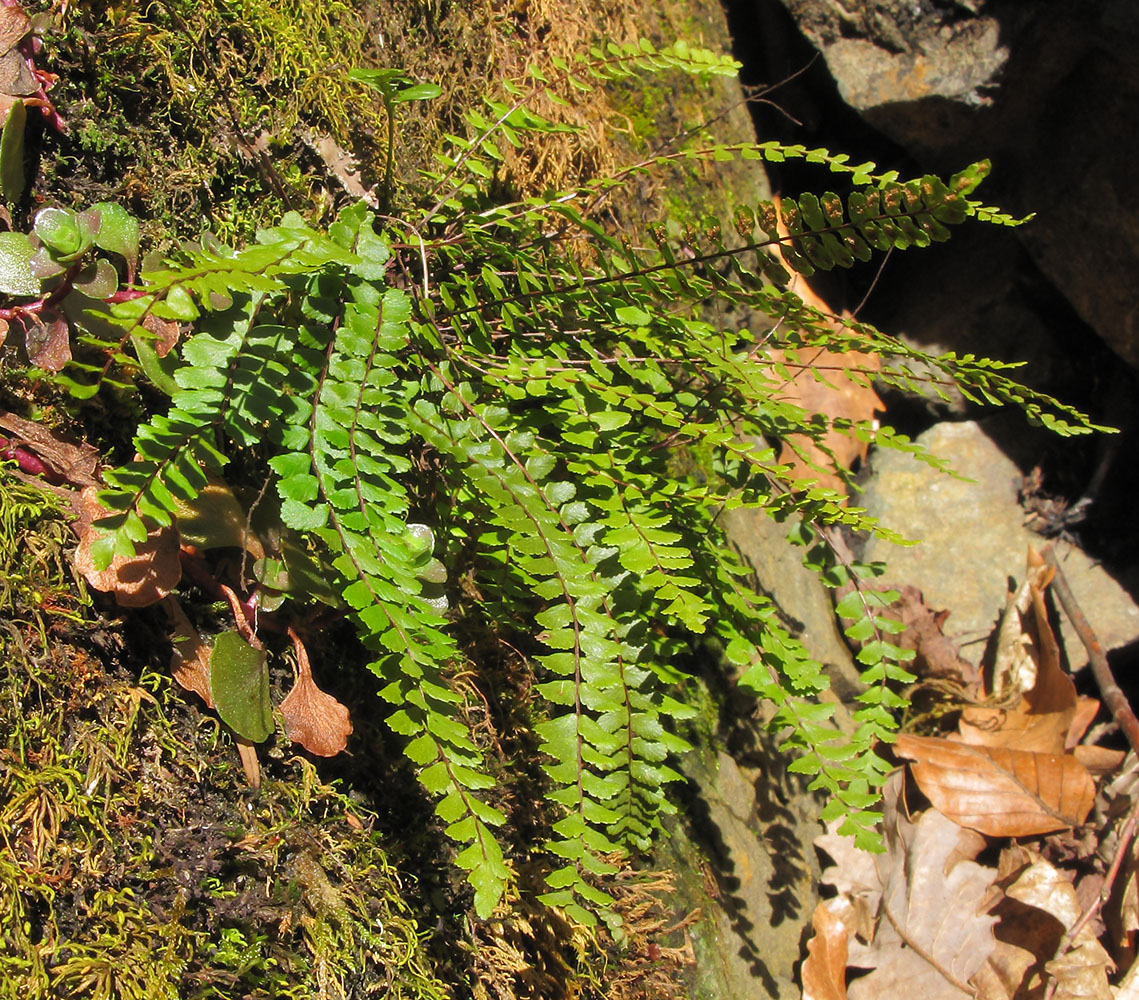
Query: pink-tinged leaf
x=314, y=719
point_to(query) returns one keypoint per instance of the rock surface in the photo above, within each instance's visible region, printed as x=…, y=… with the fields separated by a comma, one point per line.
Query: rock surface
x=1046, y=90
x=972, y=539
x=745, y=871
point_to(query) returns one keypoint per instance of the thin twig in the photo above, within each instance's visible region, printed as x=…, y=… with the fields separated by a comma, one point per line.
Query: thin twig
x=1124, y=717
x=1113, y=695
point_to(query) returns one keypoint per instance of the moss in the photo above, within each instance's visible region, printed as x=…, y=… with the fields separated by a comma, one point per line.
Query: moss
x=132, y=864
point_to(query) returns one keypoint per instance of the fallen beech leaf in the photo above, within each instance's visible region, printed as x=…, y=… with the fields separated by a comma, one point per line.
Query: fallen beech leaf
x=190, y=661
x=1129, y=988
x=823, y=974
x=1099, y=760
x=997, y=791
x=136, y=581
x=1086, y=711
x=1081, y=972
x=932, y=936
x=313, y=718
x=828, y=383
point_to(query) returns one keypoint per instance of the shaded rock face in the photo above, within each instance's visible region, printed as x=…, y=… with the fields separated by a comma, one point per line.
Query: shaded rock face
x=1046, y=90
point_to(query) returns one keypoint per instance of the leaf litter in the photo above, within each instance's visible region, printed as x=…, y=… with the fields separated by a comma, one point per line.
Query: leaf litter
x=1009, y=870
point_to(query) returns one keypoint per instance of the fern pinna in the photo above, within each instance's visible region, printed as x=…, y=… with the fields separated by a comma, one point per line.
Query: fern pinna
x=541, y=372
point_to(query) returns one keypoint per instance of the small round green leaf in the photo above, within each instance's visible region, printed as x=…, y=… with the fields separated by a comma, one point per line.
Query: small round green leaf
x=16, y=277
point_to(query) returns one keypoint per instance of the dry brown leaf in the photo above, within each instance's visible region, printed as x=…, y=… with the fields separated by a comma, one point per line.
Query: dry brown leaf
x=314, y=719
x=1128, y=989
x=998, y=791
x=1082, y=971
x=75, y=464
x=837, y=397
x=824, y=385
x=1086, y=711
x=1028, y=666
x=14, y=24
x=1099, y=761
x=145, y=578
x=932, y=936
x=190, y=661
x=823, y=974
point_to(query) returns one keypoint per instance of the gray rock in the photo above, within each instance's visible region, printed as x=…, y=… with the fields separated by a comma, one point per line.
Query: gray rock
x=745, y=867
x=972, y=539
x=1045, y=90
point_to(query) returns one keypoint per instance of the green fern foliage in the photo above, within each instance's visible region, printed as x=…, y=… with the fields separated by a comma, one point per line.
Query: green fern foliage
x=501, y=391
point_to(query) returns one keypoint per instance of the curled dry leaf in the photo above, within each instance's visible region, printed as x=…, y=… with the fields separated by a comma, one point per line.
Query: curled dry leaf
x=140, y=580
x=314, y=719
x=1028, y=671
x=824, y=969
x=997, y=791
x=190, y=661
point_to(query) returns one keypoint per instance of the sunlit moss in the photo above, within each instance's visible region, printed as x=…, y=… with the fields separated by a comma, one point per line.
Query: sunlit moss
x=132, y=863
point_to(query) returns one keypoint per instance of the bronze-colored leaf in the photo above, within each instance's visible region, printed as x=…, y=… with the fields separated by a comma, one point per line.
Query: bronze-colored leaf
x=14, y=24
x=998, y=791
x=190, y=661
x=314, y=719
x=166, y=333
x=47, y=340
x=142, y=579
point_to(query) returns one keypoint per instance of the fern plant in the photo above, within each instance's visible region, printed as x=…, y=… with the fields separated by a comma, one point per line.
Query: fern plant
x=500, y=391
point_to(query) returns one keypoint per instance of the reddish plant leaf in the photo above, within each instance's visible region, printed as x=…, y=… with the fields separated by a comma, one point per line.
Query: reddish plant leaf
x=142, y=579
x=998, y=791
x=314, y=719
x=14, y=24
x=47, y=340
x=190, y=661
